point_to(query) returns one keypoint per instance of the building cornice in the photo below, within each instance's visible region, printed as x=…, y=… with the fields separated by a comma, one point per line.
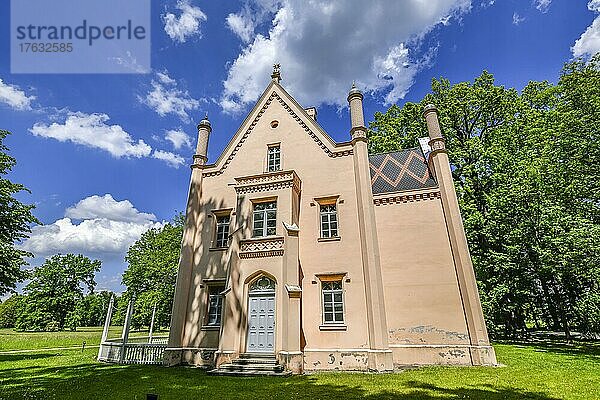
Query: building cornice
x=410, y=197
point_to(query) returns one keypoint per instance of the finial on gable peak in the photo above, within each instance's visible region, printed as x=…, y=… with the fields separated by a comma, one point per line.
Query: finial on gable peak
x=276, y=75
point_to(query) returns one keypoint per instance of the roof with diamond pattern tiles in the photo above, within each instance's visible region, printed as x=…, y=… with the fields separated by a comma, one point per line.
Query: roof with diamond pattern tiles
x=399, y=171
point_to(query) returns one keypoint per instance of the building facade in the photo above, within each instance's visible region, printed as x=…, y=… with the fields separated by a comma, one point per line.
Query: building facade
x=320, y=255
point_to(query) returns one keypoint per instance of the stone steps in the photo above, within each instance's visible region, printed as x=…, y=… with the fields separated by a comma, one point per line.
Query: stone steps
x=251, y=364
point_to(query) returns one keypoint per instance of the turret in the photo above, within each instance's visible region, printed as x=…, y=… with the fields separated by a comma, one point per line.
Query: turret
x=355, y=103
x=204, y=130
x=380, y=354
x=481, y=351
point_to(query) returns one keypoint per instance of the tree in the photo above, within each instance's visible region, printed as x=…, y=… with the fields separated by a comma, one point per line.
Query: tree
x=9, y=311
x=15, y=218
x=90, y=310
x=54, y=291
x=152, y=271
x=528, y=194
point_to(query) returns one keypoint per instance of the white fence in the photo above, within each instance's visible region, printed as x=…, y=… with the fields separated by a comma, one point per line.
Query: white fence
x=137, y=350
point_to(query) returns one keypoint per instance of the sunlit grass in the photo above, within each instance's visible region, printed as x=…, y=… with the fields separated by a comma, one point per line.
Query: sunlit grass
x=534, y=371
x=13, y=340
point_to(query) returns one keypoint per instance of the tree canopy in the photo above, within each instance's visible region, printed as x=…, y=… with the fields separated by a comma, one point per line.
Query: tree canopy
x=152, y=271
x=15, y=218
x=526, y=167
x=54, y=291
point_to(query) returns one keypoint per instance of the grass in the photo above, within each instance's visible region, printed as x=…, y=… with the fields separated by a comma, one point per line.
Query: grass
x=12, y=340
x=533, y=371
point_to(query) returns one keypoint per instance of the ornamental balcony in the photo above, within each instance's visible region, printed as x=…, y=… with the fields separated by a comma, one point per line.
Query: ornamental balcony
x=268, y=181
x=270, y=246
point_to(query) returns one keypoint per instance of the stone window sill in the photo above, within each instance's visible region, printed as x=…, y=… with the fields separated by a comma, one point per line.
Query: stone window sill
x=217, y=248
x=330, y=239
x=210, y=327
x=333, y=327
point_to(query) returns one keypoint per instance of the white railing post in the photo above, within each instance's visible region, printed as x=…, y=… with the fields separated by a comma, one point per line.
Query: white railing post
x=152, y=324
x=106, y=324
x=125, y=335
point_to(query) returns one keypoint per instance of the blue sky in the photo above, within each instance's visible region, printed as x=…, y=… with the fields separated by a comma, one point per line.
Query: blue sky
x=120, y=165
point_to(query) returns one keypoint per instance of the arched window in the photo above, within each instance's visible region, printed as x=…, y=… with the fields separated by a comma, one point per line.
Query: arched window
x=262, y=284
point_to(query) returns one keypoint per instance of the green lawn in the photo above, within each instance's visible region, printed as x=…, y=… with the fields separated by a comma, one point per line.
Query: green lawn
x=11, y=340
x=534, y=371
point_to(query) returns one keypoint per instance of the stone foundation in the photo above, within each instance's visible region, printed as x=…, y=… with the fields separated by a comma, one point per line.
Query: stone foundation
x=443, y=355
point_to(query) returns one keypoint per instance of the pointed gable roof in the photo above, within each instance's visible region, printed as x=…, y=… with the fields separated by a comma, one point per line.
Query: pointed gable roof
x=275, y=92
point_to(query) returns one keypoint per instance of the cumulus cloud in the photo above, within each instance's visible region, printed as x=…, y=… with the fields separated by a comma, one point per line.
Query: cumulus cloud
x=187, y=24
x=252, y=14
x=588, y=43
x=542, y=5
x=104, y=232
x=97, y=207
x=178, y=138
x=172, y=159
x=92, y=130
x=15, y=97
x=323, y=46
x=166, y=98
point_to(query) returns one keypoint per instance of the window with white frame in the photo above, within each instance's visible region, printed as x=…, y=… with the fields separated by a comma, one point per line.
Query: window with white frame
x=215, y=304
x=264, y=219
x=329, y=222
x=333, y=301
x=274, y=158
x=222, y=232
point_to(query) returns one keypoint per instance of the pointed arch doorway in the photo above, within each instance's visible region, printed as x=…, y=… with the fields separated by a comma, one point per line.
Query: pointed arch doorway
x=261, y=316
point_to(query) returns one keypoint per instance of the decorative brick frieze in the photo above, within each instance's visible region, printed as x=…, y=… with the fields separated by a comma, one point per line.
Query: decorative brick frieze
x=406, y=198
x=261, y=247
x=268, y=182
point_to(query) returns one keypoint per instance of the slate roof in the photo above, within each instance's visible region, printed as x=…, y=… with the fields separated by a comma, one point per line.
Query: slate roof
x=399, y=171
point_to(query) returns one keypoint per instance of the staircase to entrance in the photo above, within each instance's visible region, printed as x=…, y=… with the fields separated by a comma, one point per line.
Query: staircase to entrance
x=252, y=364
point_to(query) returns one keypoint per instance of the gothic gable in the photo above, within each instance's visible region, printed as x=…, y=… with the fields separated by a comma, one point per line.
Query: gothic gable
x=273, y=94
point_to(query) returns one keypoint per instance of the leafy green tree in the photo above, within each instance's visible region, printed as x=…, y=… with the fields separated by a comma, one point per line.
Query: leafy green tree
x=54, y=291
x=90, y=310
x=15, y=218
x=151, y=273
x=9, y=311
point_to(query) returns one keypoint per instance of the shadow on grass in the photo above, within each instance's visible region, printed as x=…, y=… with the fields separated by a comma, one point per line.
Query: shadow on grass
x=97, y=381
x=24, y=356
x=582, y=350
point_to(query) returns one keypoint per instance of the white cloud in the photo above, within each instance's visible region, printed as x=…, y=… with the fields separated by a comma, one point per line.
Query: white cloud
x=172, y=159
x=15, y=97
x=589, y=42
x=323, y=46
x=517, y=19
x=106, y=232
x=252, y=14
x=178, y=138
x=542, y=5
x=92, y=130
x=97, y=207
x=242, y=25
x=165, y=98
x=187, y=24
